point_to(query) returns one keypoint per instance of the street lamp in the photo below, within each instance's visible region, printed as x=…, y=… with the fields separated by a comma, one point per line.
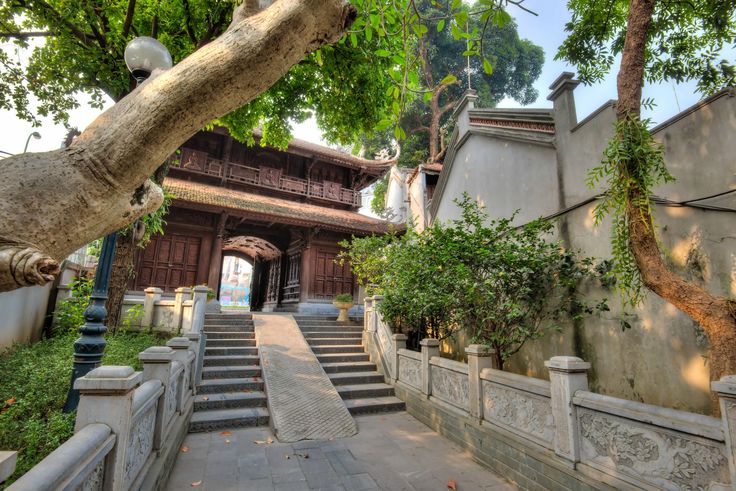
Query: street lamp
x=36, y=135
x=142, y=56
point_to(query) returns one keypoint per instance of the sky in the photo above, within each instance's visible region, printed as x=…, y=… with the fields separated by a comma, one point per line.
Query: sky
x=546, y=29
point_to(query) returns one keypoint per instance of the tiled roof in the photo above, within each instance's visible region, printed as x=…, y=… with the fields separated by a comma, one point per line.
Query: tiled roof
x=274, y=209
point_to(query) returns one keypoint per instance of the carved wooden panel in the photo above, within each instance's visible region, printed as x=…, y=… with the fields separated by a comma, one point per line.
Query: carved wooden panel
x=333, y=190
x=168, y=262
x=330, y=278
x=270, y=176
x=193, y=160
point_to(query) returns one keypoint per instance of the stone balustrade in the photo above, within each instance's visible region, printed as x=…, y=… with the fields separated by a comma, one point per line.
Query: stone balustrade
x=556, y=434
x=175, y=316
x=129, y=424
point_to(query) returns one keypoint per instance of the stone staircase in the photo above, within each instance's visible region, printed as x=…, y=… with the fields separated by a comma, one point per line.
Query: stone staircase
x=230, y=394
x=339, y=348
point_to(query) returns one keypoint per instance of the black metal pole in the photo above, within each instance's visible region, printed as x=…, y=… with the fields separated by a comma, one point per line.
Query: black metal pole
x=88, y=349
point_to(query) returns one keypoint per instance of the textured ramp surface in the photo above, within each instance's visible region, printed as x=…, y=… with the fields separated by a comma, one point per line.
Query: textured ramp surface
x=303, y=403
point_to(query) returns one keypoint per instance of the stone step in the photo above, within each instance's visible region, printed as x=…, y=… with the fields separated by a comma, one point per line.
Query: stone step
x=230, y=342
x=244, y=325
x=364, y=391
x=220, y=385
x=352, y=366
x=329, y=330
x=328, y=323
x=219, y=419
x=374, y=405
x=233, y=328
x=229, y=400
x=231, y=360
x=338, y=348
x=328, y=341
x=226, y=351
x=225, y=372
x=332, y=334
x=238, y=315
x=230, y=335
x=353, y=378
x=342, y=357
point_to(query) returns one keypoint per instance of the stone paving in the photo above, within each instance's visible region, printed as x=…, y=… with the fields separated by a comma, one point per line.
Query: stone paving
x=303, y=403
x=391, y=452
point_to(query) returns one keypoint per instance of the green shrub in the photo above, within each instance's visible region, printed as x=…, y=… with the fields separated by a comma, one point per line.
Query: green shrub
x=33, y=390
x=344, y=298
x=70, y=312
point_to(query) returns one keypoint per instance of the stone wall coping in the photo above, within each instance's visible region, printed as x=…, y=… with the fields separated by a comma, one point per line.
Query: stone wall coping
x=432, y=343
x=455, y=366
x=399, y=337
x=8, y=460
x=681, y=421
x=200, y=289
x=183, y=289
x=479, y=350
x=153, y=289
x=179, y=343
x=134, y=301
x=726, y=386
x=410, y=354
x=164, y=303
x=187, y=303
x=157, y=354
x=516, y=381
x=65, y=465
x=109, y=378
x=566, y=364
x=146, y=394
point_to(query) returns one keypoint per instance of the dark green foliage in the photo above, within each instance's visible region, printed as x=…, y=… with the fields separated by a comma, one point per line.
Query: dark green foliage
x=685, y=41
x=503, y=285
x=344, y=298
x=33, y=390
x=70, y=312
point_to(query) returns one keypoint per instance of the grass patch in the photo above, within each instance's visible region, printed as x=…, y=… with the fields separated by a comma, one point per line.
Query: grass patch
x=35, y=379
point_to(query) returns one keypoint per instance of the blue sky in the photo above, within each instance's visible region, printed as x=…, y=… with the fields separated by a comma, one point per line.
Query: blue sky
x=546, y=30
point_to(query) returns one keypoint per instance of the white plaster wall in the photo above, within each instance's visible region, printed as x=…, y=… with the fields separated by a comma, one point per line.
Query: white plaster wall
x=396, y=195
x=22, y=314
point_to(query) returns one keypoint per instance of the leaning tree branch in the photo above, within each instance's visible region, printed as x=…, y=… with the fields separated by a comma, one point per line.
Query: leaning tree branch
x=27, y=34
x=54, y=202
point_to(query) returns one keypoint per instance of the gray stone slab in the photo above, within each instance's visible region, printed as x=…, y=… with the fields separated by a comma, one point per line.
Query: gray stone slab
x=303, y=403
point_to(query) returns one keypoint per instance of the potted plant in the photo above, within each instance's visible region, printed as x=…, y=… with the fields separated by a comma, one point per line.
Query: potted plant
x=344, y=302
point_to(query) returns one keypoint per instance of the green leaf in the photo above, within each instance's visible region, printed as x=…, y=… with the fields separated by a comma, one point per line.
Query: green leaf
x=368, y=33
x=414, y=77
x=383, y=53
x=399, y=133
x=487, y=67
x=318, y=57
x=449, y=79
x=440, y=25
x=427, y=96
x=354, y=39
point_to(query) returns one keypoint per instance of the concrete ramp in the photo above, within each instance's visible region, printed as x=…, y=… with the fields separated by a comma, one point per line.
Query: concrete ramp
x=303, y=403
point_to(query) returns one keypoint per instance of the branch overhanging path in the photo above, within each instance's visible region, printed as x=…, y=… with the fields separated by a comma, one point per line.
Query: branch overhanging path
x=55, y=202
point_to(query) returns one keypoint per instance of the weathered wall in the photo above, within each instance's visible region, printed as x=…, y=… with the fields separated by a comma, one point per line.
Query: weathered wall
x=22, y=313
x=662, y=360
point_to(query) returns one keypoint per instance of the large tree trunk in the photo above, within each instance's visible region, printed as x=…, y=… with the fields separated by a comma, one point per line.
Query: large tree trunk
x=122, y=272
x=716, y=315
x=54, y=202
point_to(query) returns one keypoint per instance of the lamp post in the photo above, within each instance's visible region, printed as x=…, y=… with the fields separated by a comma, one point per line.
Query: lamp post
x=143, y=55
x=35, y=135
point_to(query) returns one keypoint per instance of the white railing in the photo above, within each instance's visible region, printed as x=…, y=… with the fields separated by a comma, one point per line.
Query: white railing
x=147, y=413
x=625, y=444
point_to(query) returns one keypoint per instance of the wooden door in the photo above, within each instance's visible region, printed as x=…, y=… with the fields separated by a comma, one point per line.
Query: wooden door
x=169, y=262
x=330, y=278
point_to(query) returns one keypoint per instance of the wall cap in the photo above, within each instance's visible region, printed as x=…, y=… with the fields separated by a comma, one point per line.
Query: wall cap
x=432, y=343
x=479, y=350
x=179, y=343
x=567, y=364
x=110, y=378
x=726, y=386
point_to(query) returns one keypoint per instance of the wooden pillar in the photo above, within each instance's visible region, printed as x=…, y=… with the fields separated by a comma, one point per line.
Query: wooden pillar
x=213, y=278
x=306, y=273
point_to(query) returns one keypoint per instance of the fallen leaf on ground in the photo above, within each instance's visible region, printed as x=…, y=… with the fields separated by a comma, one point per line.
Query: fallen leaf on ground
x=185, y=449
x=196, y=483
x=227, y=442
x=287, y=456
x=226, y=433
x=451, y=484
x=10, y=401
x=263, y=442
x=205, y=398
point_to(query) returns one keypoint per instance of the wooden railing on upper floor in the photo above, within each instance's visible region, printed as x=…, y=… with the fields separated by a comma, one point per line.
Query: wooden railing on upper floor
x=267, y=177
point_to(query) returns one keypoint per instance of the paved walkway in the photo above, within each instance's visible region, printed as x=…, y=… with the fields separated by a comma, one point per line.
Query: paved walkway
x=303, y=403
x=391, y=452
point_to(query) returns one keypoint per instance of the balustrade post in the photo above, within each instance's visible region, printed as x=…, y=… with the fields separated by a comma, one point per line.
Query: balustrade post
x=153, y=295
x=399, y=343
x=726, y=390
x=199, y=296
x=479, y=358
x=106, y=396
x=430, y=348
x=367, y=312
x=158, y=365
x=184, y=355
x=197, y=347
x=182, y=293
x=567, y=375
x=377, y=299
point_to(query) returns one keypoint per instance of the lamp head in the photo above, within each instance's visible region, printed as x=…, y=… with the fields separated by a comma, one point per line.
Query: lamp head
x=36, y=135
x=144, y=54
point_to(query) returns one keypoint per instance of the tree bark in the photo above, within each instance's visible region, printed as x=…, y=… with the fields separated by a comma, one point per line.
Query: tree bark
x=122, y=272
x=54, y=202
x=716, y=315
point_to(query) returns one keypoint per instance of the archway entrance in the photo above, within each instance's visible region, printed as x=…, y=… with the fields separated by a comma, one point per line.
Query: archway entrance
x=235, y=282
x=264, y=259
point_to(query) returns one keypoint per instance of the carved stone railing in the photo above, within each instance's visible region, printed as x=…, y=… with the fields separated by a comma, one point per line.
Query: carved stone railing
x=129, y=424
x=557, y=426
x=200, y=163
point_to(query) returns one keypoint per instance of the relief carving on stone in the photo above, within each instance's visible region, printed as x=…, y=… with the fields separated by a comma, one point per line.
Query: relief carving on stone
x=94, y=480
x=655, y=456
x=171, y=395
x=410, y=371
x=140, y=444
x=386, y=347
x=523, y=413
x=450, y=386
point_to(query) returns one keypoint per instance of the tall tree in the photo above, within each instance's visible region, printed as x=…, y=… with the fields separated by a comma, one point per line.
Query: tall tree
x=79, y=49
x=657, y=41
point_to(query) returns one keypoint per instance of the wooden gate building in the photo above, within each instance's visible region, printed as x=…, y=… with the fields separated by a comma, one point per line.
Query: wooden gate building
x=282, y=211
